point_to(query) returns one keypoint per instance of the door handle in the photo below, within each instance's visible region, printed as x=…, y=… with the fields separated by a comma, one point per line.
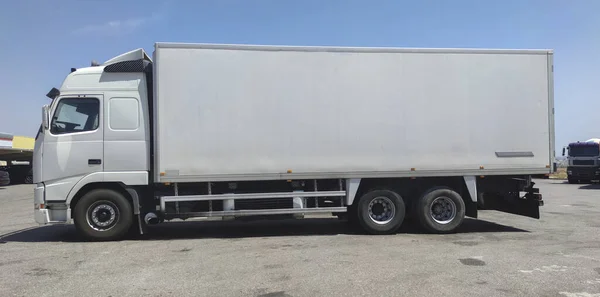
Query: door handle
x=94, y=161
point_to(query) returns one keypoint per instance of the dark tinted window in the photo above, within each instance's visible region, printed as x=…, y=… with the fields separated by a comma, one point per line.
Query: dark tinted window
x=584, y=150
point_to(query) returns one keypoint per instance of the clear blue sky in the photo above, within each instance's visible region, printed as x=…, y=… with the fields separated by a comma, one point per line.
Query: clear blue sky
x=41, y=40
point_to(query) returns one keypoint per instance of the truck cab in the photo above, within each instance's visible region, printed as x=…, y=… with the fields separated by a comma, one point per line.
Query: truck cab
x=94, y=131
x=584, y=161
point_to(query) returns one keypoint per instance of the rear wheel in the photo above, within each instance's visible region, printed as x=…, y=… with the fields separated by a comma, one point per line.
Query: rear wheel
x=381, y=211
x=440, y=210
x=102, y=215
x=573, y=181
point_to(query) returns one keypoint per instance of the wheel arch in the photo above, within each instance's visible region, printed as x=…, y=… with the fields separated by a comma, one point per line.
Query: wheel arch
x=121, y=182
x=126, y=179
x=115, y=186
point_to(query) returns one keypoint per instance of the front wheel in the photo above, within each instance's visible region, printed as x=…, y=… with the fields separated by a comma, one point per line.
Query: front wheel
x=440, y=210
x=381, y=211
x=103, y=215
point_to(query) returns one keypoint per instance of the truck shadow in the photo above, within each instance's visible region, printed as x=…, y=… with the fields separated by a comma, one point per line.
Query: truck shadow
x=590, y=187
x=239, y=230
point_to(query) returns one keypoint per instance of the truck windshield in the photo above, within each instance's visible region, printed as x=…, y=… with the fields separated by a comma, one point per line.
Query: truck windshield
x=584, y=150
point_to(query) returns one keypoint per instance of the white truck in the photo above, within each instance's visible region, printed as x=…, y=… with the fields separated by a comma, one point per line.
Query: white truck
x=373, y=135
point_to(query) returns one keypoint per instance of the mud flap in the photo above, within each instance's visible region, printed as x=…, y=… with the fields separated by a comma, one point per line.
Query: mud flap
x=139, y=225
x=513, y=203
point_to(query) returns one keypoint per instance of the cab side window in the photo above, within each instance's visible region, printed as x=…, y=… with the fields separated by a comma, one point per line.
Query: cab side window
x=74, y=115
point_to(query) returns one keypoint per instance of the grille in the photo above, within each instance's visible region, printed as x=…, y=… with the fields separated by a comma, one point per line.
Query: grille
x=583, y=162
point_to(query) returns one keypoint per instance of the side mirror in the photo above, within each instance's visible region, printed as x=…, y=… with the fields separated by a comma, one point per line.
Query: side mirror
x=563, y=151
x=45, y=117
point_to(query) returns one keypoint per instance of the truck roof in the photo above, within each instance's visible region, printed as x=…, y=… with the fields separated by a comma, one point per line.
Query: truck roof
x=348, y=49
x=91, y=78
x=585, y=143
x=127, y=66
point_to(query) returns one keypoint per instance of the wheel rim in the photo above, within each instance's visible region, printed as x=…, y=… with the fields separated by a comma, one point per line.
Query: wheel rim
x=102, y=215
x=382, y=210
x=443, y=210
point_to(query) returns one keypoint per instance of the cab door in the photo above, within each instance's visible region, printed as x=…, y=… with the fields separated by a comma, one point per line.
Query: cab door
x=73, y=144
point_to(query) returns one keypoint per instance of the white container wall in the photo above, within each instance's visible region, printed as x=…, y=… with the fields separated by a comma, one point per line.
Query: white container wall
x=254, y=112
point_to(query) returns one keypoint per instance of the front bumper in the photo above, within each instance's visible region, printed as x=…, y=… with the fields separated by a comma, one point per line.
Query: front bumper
x=45, y=216
x=591, y=173
x=41, y=216
x=55, y=213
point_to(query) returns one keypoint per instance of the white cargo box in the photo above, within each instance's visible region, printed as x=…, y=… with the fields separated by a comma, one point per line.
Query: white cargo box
x=260, y=112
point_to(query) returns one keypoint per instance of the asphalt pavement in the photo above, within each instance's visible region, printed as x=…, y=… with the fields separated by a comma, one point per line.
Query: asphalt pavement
x=497, y=255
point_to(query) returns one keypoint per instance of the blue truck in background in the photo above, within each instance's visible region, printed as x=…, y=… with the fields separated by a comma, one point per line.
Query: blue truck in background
x=583, y=161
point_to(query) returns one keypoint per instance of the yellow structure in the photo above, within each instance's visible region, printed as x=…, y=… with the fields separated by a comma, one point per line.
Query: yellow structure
x=23, y=143
x=19, y=148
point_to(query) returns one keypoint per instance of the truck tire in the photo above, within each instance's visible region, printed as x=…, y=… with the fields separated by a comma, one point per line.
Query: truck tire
x=381, y=211
x=573, y=181
x=440, y=210
x=103, y=215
